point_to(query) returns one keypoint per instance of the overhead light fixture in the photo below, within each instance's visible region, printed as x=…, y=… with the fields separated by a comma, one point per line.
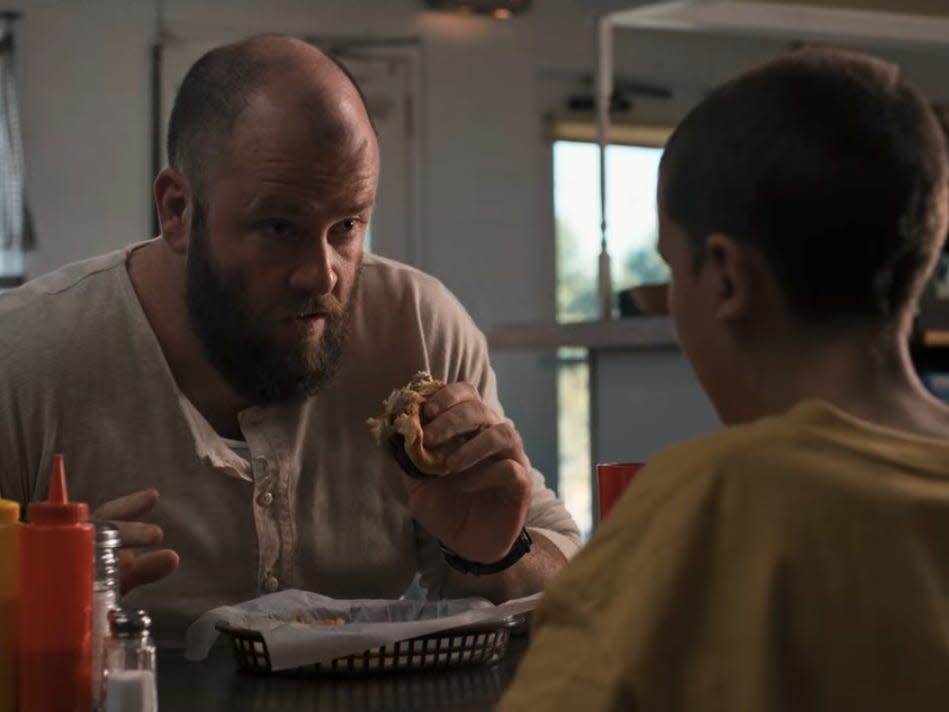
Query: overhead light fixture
x=501, y=9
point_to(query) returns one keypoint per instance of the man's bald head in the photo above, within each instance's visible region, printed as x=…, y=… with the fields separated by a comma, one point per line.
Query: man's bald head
x=221, y=84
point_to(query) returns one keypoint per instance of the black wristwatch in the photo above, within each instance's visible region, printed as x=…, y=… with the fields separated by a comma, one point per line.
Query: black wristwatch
x=521, y=546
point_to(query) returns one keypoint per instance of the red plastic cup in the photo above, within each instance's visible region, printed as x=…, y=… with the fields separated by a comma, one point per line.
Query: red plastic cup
x=612, y=479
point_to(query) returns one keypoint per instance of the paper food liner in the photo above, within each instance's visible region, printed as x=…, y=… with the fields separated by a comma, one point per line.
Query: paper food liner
x=370, y=623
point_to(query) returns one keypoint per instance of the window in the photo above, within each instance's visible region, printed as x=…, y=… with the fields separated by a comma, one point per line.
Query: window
x=631, y=235
x=15, y=234
x=12, y=267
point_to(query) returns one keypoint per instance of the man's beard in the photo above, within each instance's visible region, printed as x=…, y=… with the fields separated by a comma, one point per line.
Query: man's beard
x=237, y=344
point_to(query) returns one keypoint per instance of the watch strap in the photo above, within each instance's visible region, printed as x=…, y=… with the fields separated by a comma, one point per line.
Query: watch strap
x=521, y=546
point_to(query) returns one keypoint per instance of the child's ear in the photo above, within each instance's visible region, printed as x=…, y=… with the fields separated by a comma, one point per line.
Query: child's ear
x=730, y=269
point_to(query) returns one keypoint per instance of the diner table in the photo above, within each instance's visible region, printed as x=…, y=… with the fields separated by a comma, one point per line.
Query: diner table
x=215, y=684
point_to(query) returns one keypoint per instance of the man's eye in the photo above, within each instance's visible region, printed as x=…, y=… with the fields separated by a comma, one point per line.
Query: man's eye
x=347, y=227
x=280, y=229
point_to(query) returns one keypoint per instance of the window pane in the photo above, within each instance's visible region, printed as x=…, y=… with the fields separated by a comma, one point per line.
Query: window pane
x=632, y=228
x=573, y=436
x=632, y=225
x=632, y=232
x=12, y=263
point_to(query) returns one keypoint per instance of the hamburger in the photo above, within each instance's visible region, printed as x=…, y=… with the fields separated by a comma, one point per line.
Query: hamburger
x=400, y=428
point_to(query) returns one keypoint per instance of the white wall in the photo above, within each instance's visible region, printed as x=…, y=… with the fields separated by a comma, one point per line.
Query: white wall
x=84, y=97
x=487, y=221
x=487, y=224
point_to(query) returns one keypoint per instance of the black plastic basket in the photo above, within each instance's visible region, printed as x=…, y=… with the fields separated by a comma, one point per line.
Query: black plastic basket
x=471, y=645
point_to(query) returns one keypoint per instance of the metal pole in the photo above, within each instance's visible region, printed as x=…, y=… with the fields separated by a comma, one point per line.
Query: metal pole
x=604, y=91
x=157, y=110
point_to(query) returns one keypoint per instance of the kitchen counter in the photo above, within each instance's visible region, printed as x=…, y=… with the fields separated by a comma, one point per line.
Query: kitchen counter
x=647, y=332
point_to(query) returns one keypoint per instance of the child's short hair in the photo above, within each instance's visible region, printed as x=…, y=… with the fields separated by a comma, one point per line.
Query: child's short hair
x=829, y=163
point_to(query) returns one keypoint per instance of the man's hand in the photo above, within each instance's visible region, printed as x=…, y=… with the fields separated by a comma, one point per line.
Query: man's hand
x=137, y=569
x=479, y=509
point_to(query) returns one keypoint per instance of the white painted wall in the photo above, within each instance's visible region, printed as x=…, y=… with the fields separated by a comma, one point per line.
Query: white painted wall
x=487, y=223
x=84, y=99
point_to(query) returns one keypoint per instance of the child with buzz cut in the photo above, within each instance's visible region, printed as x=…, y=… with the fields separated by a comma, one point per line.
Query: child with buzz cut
x=798, y=559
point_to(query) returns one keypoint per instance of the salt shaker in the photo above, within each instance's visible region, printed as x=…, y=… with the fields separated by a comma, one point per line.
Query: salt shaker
x=129, y=682
x=105, y=597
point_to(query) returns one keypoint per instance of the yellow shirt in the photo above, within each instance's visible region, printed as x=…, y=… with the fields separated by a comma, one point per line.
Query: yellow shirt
x=797, y=563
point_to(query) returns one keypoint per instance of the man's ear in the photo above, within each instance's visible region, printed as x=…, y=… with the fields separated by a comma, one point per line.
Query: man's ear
x=731, y=272
x=174, y=201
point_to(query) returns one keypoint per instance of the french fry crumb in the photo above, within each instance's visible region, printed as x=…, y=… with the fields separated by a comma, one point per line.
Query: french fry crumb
x=301, y=618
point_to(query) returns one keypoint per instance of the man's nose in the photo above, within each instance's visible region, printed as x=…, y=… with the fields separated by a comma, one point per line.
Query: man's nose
x=315, y=273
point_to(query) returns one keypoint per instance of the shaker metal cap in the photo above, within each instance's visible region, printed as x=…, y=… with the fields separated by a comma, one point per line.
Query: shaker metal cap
x=129, y=624
x=107, y=536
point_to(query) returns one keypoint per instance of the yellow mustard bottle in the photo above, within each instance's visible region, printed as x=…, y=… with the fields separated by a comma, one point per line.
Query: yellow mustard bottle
x=9, y=535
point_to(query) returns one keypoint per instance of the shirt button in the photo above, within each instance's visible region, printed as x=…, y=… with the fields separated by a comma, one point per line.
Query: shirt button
x=265, y=500
x=271, y=584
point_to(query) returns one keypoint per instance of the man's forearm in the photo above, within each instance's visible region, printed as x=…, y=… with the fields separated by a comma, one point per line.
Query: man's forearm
x=527, y=576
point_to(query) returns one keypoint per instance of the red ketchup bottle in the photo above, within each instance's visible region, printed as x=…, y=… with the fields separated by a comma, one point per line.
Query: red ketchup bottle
x=54, y=619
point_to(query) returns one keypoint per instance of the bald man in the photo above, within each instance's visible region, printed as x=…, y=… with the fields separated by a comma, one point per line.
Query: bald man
x=209, y=388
